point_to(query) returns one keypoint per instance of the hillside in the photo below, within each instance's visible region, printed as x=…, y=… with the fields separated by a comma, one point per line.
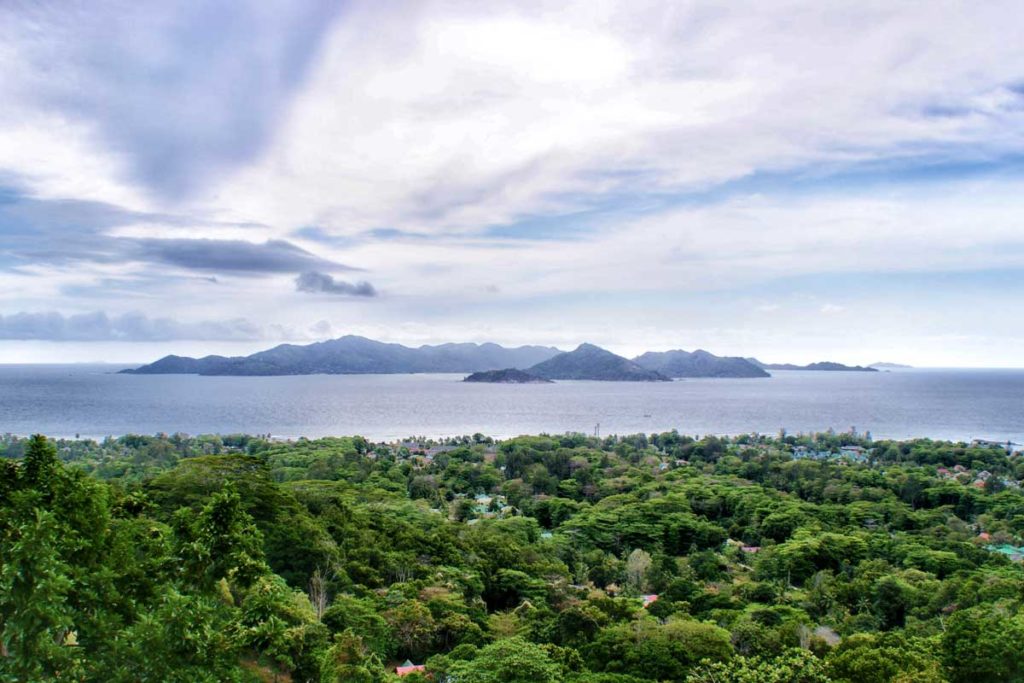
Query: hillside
x=594, y=363
x=355, y=355
x=747, y=559
x=699, y=363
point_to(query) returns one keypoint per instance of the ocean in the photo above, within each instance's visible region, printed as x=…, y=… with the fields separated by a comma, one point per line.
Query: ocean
x=94, y=401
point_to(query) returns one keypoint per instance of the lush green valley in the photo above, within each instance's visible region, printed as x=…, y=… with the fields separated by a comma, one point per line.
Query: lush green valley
x=754, y=559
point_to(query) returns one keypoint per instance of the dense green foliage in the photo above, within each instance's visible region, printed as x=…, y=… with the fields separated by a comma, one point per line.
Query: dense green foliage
x=773, y=560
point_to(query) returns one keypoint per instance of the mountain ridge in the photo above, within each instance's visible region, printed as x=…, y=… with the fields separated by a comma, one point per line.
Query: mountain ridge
x=699, y=363
x=352, y=354
x=355, y=355
x=589, y=362
x=819, y=366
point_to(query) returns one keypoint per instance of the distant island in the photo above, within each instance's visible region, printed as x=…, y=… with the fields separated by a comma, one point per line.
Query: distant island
x=882, y=365
x=506, y=376
x=594, y=363
x=351, y=355
x=699, y=363
x=823, y=366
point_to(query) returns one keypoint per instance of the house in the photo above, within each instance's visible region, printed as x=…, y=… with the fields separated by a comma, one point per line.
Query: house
x=649, y=599
x=855, y=453
x=1014, y=553
x=985, y=536
x=1008, y=446
x=984, y=475
x=751, y=548
x=409, y=668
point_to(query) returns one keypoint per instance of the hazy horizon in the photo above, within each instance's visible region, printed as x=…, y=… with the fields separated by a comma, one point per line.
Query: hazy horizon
x=814, y=182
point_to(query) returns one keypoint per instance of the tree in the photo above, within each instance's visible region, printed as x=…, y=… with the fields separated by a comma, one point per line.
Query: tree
x=871, y=658
x=364, y=620
x=637, y=565
x=793, y=666
x=649, y=649
x=347, y=661
x=512, y=660
x=277, y=622
x=40, y=463
x=413, y=627
x=185, y=639
x=35, y=617
x=983, y=644
x=221, y=543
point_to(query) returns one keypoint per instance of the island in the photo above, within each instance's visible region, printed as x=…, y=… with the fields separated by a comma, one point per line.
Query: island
x=821, y=366
x=591, y=362
x=699, y=363
x=352, y=354
x=506, y=376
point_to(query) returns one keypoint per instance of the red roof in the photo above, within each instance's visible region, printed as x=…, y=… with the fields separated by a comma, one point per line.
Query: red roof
x=406, y=670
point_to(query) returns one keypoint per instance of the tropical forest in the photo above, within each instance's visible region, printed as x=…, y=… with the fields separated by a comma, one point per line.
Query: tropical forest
x=782, y=558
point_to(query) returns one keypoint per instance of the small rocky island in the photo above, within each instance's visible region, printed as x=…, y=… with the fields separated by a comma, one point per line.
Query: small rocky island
x=506, y=376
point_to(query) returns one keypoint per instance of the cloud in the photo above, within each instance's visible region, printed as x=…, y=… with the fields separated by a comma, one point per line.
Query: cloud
x=636, y=153
x=449, y=124
x=196, y=89
x=36, y=230
x=98, y=326
x=234, y=256
x=316, y=282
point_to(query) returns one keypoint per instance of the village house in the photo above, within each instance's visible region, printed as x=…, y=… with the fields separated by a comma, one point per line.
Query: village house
x=408, y=668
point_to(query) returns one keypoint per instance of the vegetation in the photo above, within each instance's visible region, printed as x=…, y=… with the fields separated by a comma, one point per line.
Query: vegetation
x=506, y=376
x=754, y=559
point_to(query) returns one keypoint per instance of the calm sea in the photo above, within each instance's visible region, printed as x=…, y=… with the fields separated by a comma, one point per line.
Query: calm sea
x=95, y=401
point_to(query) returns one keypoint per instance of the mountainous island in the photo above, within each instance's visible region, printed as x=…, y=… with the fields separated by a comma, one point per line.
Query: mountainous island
x=506, y=376
x=822, y=366
x=699, y=363
x=592, y=362
x=352, y=354
x=355, y=355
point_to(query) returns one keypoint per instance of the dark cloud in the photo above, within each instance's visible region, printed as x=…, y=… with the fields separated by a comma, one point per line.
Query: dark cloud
x=316, y=282
x=99, y=326
x=197, y=90
x=273, y=256
x=60, y=232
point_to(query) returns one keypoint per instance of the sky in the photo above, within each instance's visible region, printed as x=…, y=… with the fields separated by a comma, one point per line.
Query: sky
x=792, y=180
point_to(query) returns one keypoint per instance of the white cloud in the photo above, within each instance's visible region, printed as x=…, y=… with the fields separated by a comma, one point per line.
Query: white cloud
x=445, y=118
x=454, y=118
